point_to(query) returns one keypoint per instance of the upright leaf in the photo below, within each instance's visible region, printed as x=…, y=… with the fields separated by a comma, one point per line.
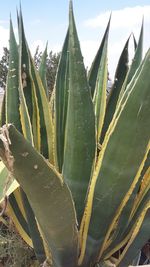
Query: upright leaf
x=28, y=108
x=12, y=93
x=45, y=120
x=116, y=168
x=93, y=73
x=135, y=63
x=3, y=111
x=120, y=75
x=24, y=67
x=36, y=101
x=43, y=69
x=61, y=102
x=79, y=153
x=99, y=98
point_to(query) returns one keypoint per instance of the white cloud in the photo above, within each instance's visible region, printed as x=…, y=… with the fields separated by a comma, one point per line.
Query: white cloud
x=89, y=48
x=128, y=17
x=35, y=22
x=123, y=22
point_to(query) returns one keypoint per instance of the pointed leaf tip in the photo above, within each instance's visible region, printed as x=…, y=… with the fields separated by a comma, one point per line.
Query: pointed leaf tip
x=71, y=5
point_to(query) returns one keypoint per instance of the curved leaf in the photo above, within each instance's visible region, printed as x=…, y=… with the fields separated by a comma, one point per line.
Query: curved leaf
x=41, y=183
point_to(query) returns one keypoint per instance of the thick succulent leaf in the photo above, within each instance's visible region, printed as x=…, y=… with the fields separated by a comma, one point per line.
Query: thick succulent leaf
x=99, y=98
x=135, y=63
x=29, y=107
x=17, y=116
x=138, y=239
x=21, y=213
x=129, y=248
x=43, y=69
x=138, y=56
x=127, y=209
x=25, y=109
x=25, y=67
x=46, y=125
x=20, y=83
x=41, y=183
x=79, y=153
x=19, y=210
x=120, y=75
x=16, y=211
x=11, y=189
x=92, y=76
x=126, y=232
x=33, y=229
x=12, y=93
x=116, y=168
x=144, y=188
x=61, y=103
x=36, y=100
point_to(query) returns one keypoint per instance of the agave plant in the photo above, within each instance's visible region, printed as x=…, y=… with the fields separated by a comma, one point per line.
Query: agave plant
x=77, y=173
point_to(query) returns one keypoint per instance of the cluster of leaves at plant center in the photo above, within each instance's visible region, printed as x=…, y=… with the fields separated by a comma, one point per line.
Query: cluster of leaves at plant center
x=79, y=191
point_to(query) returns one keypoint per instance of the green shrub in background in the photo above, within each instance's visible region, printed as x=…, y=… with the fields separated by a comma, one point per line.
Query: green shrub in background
x=82, y=160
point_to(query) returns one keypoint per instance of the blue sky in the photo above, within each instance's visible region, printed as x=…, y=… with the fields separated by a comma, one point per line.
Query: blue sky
x=48, y=20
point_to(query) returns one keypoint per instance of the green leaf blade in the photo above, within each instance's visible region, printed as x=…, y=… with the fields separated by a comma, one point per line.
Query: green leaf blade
x=79, y=154
x=135, y=63
x=99, y=98
x=57, y=219
x=43, y=69
x=92, y=76
x=12, y=93
x=120, y=75
x=61, y=102
x=117, y=168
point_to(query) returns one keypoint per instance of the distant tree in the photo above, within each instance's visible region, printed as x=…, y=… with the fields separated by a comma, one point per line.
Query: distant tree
x=4, y=61
x=52, y=63
x=37, y=57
